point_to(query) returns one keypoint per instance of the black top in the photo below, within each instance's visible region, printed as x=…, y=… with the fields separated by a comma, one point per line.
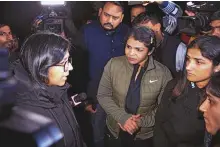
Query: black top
x=133, y=95
x=215, y=142
x=165, y=53
x=13, y=56
x=51, y=102
x=179, y=122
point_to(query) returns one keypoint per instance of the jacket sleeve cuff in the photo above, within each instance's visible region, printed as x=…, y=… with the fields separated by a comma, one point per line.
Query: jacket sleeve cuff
x=167, y=7
x=124, y=118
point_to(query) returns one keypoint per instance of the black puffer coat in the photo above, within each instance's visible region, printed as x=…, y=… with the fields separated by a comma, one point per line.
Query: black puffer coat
x=178, y=121
x=51, y=102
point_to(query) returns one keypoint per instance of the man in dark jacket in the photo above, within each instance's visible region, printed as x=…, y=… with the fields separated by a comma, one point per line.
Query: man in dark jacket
x=9, y=42
x=170, y=51
x=103, y=40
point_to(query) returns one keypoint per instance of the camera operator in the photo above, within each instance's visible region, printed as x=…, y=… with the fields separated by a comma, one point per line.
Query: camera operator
x=200, y=19
x=8, y=41
x=42, y=73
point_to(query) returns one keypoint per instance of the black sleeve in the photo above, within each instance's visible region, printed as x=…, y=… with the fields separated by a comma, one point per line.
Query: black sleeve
x=160, y=139
x=79, y=77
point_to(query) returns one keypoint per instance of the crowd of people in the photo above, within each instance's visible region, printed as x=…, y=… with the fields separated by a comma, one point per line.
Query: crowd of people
x=147, y=86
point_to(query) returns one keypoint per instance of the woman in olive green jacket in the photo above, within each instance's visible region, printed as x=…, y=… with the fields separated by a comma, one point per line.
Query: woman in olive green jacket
x=130, y=90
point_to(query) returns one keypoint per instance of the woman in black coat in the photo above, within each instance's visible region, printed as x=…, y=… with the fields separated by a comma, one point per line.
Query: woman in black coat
x=42, y=73
x=178, y=121
x=211, y=111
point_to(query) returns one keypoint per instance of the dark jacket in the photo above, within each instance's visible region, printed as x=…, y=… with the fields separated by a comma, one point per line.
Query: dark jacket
x=13, y=56
x=178, y=121
x=171, y=53
x=214, y=140
x=101, y=46
x=51, y=102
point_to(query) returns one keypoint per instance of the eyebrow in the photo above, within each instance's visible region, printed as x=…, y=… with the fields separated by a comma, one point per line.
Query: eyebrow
x=140, y=48
x=211, y=97
x=111, y=15
x=199, y=59
x=136, y=47
x=133, y=46
x=195, y=58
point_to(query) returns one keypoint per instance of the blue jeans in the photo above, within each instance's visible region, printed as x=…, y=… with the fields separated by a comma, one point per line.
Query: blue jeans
x=98, y=125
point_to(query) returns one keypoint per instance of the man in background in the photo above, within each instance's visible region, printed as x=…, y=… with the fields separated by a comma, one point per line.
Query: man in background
x=9, y=42
x=103, y=40
x=136, y=10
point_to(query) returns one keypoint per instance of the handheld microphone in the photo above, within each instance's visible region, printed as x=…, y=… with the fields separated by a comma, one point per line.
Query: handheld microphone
x=78, y=98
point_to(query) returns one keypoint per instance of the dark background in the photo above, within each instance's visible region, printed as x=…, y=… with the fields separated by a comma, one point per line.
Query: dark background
x=20, y=14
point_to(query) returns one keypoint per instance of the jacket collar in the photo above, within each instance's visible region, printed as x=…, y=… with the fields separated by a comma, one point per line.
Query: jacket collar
x=28, y=93
x=148, y=66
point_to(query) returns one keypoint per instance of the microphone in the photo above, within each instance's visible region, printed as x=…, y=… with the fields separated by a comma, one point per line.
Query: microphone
x=78, y=98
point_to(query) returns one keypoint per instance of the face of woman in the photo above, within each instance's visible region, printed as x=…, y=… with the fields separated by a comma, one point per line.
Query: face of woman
x=210, y=108
x=136, y=52
x=199, y=68
x=57, y=75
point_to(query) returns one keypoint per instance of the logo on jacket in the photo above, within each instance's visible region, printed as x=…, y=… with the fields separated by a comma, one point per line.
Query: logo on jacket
x=152, y=81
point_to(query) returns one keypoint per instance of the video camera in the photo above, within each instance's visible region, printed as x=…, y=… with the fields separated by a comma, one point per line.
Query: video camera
x=19, y=127
x=51, y=19
x=193, y=25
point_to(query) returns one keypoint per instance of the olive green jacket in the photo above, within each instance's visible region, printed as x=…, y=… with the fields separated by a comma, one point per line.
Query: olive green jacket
x=113, y=89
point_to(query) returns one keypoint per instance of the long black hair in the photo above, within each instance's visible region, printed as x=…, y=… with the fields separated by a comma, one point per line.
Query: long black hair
x=214, y=85
x=210, y=49
x=41, y=51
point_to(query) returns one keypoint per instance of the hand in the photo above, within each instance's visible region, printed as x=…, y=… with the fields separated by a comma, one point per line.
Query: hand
x=90, y=109
x=136, y=118
x=145, y=3
x=190, y=13
x=130, y=126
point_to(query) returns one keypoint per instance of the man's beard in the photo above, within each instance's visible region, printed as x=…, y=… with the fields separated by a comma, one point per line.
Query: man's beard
x=11, y=45
x=109, y=25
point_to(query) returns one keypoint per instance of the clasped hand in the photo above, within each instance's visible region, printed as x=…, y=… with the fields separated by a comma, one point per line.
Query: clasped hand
x=131, y=125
